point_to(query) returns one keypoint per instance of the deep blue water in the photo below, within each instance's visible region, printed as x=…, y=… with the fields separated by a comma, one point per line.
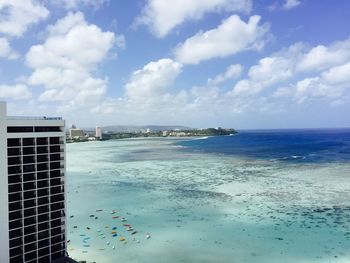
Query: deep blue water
x=281, y=145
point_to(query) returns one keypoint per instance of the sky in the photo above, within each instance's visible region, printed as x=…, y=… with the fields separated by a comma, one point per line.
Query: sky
x=245, y=64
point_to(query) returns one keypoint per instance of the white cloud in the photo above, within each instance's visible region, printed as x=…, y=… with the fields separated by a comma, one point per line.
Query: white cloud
x=269, y=71
x=339, y=74
x=289, y=4
x=231, y=37
x=162, y=16
x=76, y=4
x=6, y=51
x=232, y=72
x=16, y=16
x=65, y=62
x=296, y=60
x=322, y=57
x=15, y=92
x=153, y=79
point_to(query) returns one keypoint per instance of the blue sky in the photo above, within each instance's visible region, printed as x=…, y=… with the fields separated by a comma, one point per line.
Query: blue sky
x=200, y=63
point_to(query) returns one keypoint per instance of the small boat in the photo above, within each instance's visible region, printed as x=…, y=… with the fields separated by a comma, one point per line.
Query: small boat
x=129, y=229
x=133, y=233
x=124, y=219
x=88, y=228
x=99, y=210
x=126, y=225
x=114, y=235
x=115, y=217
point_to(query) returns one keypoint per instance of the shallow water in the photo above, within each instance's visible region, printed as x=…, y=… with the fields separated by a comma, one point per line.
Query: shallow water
x=201, y=206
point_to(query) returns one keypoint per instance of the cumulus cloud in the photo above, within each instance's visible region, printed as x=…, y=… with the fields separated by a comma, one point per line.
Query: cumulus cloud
x=75, y=4
x=298, y=59
x=162, y=17
x=16, y=16
x=232, y=36
x=290, y=4
x=65, y=63
x=15, y=92
x=338, y=74
x=269, y=71
x=232, y=72
x=322, y=57
x=5, y=49
x=153, y=79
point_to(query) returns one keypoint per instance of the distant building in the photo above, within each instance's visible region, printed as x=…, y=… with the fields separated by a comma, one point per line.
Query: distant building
x=74, y=133
x=148, y=130
x=32, y=189
x=98, y=133
x=165, y=133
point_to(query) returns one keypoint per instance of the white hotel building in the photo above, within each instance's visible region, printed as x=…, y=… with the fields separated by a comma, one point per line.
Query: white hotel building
x=32, y=189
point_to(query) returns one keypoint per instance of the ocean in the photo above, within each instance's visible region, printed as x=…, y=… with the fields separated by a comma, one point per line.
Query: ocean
x=257, y=196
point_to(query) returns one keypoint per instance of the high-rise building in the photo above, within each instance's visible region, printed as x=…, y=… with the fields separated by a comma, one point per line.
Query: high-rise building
x=32, y=189
x=98, y=132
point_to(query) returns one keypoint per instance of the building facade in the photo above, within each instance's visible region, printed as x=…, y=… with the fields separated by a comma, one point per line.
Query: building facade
x=32, y=189
x=98, y=132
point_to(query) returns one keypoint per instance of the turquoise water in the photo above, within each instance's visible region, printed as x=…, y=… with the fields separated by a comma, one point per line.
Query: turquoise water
x=203, y=206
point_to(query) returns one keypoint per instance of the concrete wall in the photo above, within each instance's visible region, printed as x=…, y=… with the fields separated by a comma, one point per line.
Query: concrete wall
x=4, y=240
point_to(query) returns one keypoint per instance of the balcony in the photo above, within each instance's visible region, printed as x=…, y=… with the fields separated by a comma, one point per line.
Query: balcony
x=16, y=242
x=42, y=167
x=30, y=247
x=41, y=149
x=29, y=221
x=28, y=141
x=14, y=160
x=28, y=150
x=15, y=233
x=29, y=186
x=15, y=224
x=43, y=218
x=41, y=141
x=28, y=177
x=29, y=212
x=13, y=151
x=16, y=251
x=15, y=197
x=15, y=188
x=14, y=169
x=13, y=142
x=42, y=175
x=43, y=183
x=30, y=230
x=15, y=179
x=15, y=206
x=43, y=200
x=30, y=256
x=29, y=194
x=43, y=243
x=15, y=215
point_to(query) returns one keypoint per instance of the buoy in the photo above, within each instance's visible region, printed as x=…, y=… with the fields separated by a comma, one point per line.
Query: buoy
x=148, y=236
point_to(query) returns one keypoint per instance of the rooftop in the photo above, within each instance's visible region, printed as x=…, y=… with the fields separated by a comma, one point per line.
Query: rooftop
x=33, y=118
